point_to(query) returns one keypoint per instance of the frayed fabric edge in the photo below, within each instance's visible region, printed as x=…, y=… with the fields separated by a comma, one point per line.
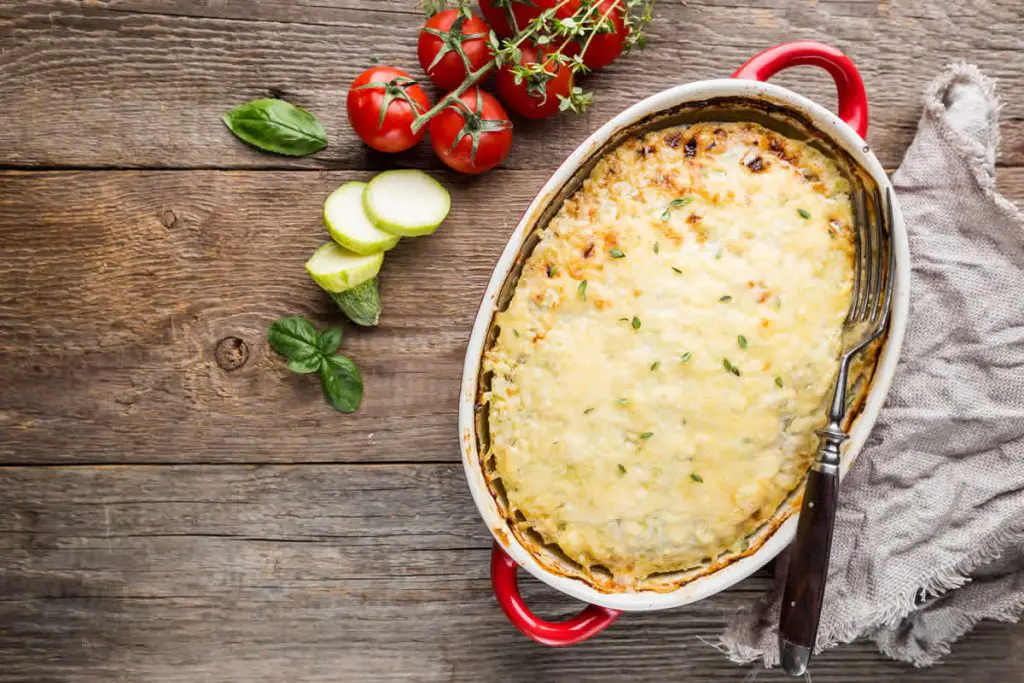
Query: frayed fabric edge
x=931, y=585
x=901, y=606
x=972, y=151
x=742, y=654
x=964, y=623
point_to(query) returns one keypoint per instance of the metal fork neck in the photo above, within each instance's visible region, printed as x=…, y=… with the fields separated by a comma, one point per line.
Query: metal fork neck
x=832, y=438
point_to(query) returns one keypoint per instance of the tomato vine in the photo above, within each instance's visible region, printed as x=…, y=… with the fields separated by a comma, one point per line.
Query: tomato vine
x=563, y=32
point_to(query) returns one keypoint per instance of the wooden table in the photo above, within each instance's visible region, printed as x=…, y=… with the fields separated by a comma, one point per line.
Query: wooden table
x=174, y=504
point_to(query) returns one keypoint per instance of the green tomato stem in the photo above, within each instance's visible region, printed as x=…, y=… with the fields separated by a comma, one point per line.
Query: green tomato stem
x=451, y=97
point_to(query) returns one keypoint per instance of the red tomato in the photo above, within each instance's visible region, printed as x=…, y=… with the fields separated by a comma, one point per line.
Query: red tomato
x=382, y=103
x=569, y=48
x=497, y=15
x=439, y=43
x=533, y=97
x=565, y=8
x=605, y=48
x=474, y=135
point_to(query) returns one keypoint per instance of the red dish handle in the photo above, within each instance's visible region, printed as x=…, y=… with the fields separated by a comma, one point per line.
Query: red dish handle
x=853, y=100
x=587, y=624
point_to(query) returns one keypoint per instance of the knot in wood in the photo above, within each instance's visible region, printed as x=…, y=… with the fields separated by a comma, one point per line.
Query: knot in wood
x=168, y=219
x=232, y=353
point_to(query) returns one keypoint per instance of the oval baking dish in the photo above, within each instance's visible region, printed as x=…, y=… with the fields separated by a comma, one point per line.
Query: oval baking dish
x=743, y=98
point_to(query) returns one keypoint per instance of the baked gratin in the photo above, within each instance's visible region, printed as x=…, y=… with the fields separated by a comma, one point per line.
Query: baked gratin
x=662, y=365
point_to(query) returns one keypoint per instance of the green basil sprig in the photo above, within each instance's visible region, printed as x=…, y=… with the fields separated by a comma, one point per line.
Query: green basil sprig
x=310, y=351
x=277, y=126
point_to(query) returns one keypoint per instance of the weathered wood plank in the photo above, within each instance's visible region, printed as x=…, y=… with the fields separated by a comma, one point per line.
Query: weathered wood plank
x=116, y=288
x=325, y=573
x=95, y=86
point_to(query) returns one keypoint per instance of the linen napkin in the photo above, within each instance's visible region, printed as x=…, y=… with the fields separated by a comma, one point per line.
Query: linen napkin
x=929, y=535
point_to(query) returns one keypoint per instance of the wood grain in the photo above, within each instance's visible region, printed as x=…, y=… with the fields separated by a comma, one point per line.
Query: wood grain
x=143, y=83
x=121, y=337
x=326, y=573
x=116, y=288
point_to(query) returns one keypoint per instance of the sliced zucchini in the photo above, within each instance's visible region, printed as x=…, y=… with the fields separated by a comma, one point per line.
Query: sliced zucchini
x=361, y=303
x=349, y=225
x=336, y=269
x=406, y=202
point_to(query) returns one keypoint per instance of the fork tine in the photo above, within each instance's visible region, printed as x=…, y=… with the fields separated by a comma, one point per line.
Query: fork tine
x=891, y=270
x=858, y=284
x=871, y=266
x=878, y=266
x=868, y=248
x=882, y=309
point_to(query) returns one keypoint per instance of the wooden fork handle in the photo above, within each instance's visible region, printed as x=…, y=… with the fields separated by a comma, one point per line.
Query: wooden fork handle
x=808, y=567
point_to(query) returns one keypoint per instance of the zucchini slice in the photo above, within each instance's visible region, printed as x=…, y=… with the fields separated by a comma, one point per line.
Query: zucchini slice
x=361, y=303
x=349, y=225
x=406, y=202
x=336, y=269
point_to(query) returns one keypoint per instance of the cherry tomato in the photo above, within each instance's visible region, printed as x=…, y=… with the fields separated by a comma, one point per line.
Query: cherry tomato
x=440, y=40
x=570, y=48
x=496, y=14
x=535, y=97
x=605, y=48
x=473, y=135
x=564, y=8
x=382, y=103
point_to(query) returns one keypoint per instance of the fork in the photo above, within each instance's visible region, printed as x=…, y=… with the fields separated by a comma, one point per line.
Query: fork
x=865, y=321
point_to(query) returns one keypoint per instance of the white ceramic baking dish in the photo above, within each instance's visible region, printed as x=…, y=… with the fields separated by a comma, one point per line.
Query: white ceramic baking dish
x=742, y=95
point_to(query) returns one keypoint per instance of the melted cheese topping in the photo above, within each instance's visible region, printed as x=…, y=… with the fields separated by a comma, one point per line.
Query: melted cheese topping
x=664, y=360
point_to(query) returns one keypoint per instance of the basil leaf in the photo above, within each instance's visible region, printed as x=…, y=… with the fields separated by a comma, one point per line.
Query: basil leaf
x=342, y=383
x=305, y=364
x=277, y=126
x=293, y=337
x=329, y=341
